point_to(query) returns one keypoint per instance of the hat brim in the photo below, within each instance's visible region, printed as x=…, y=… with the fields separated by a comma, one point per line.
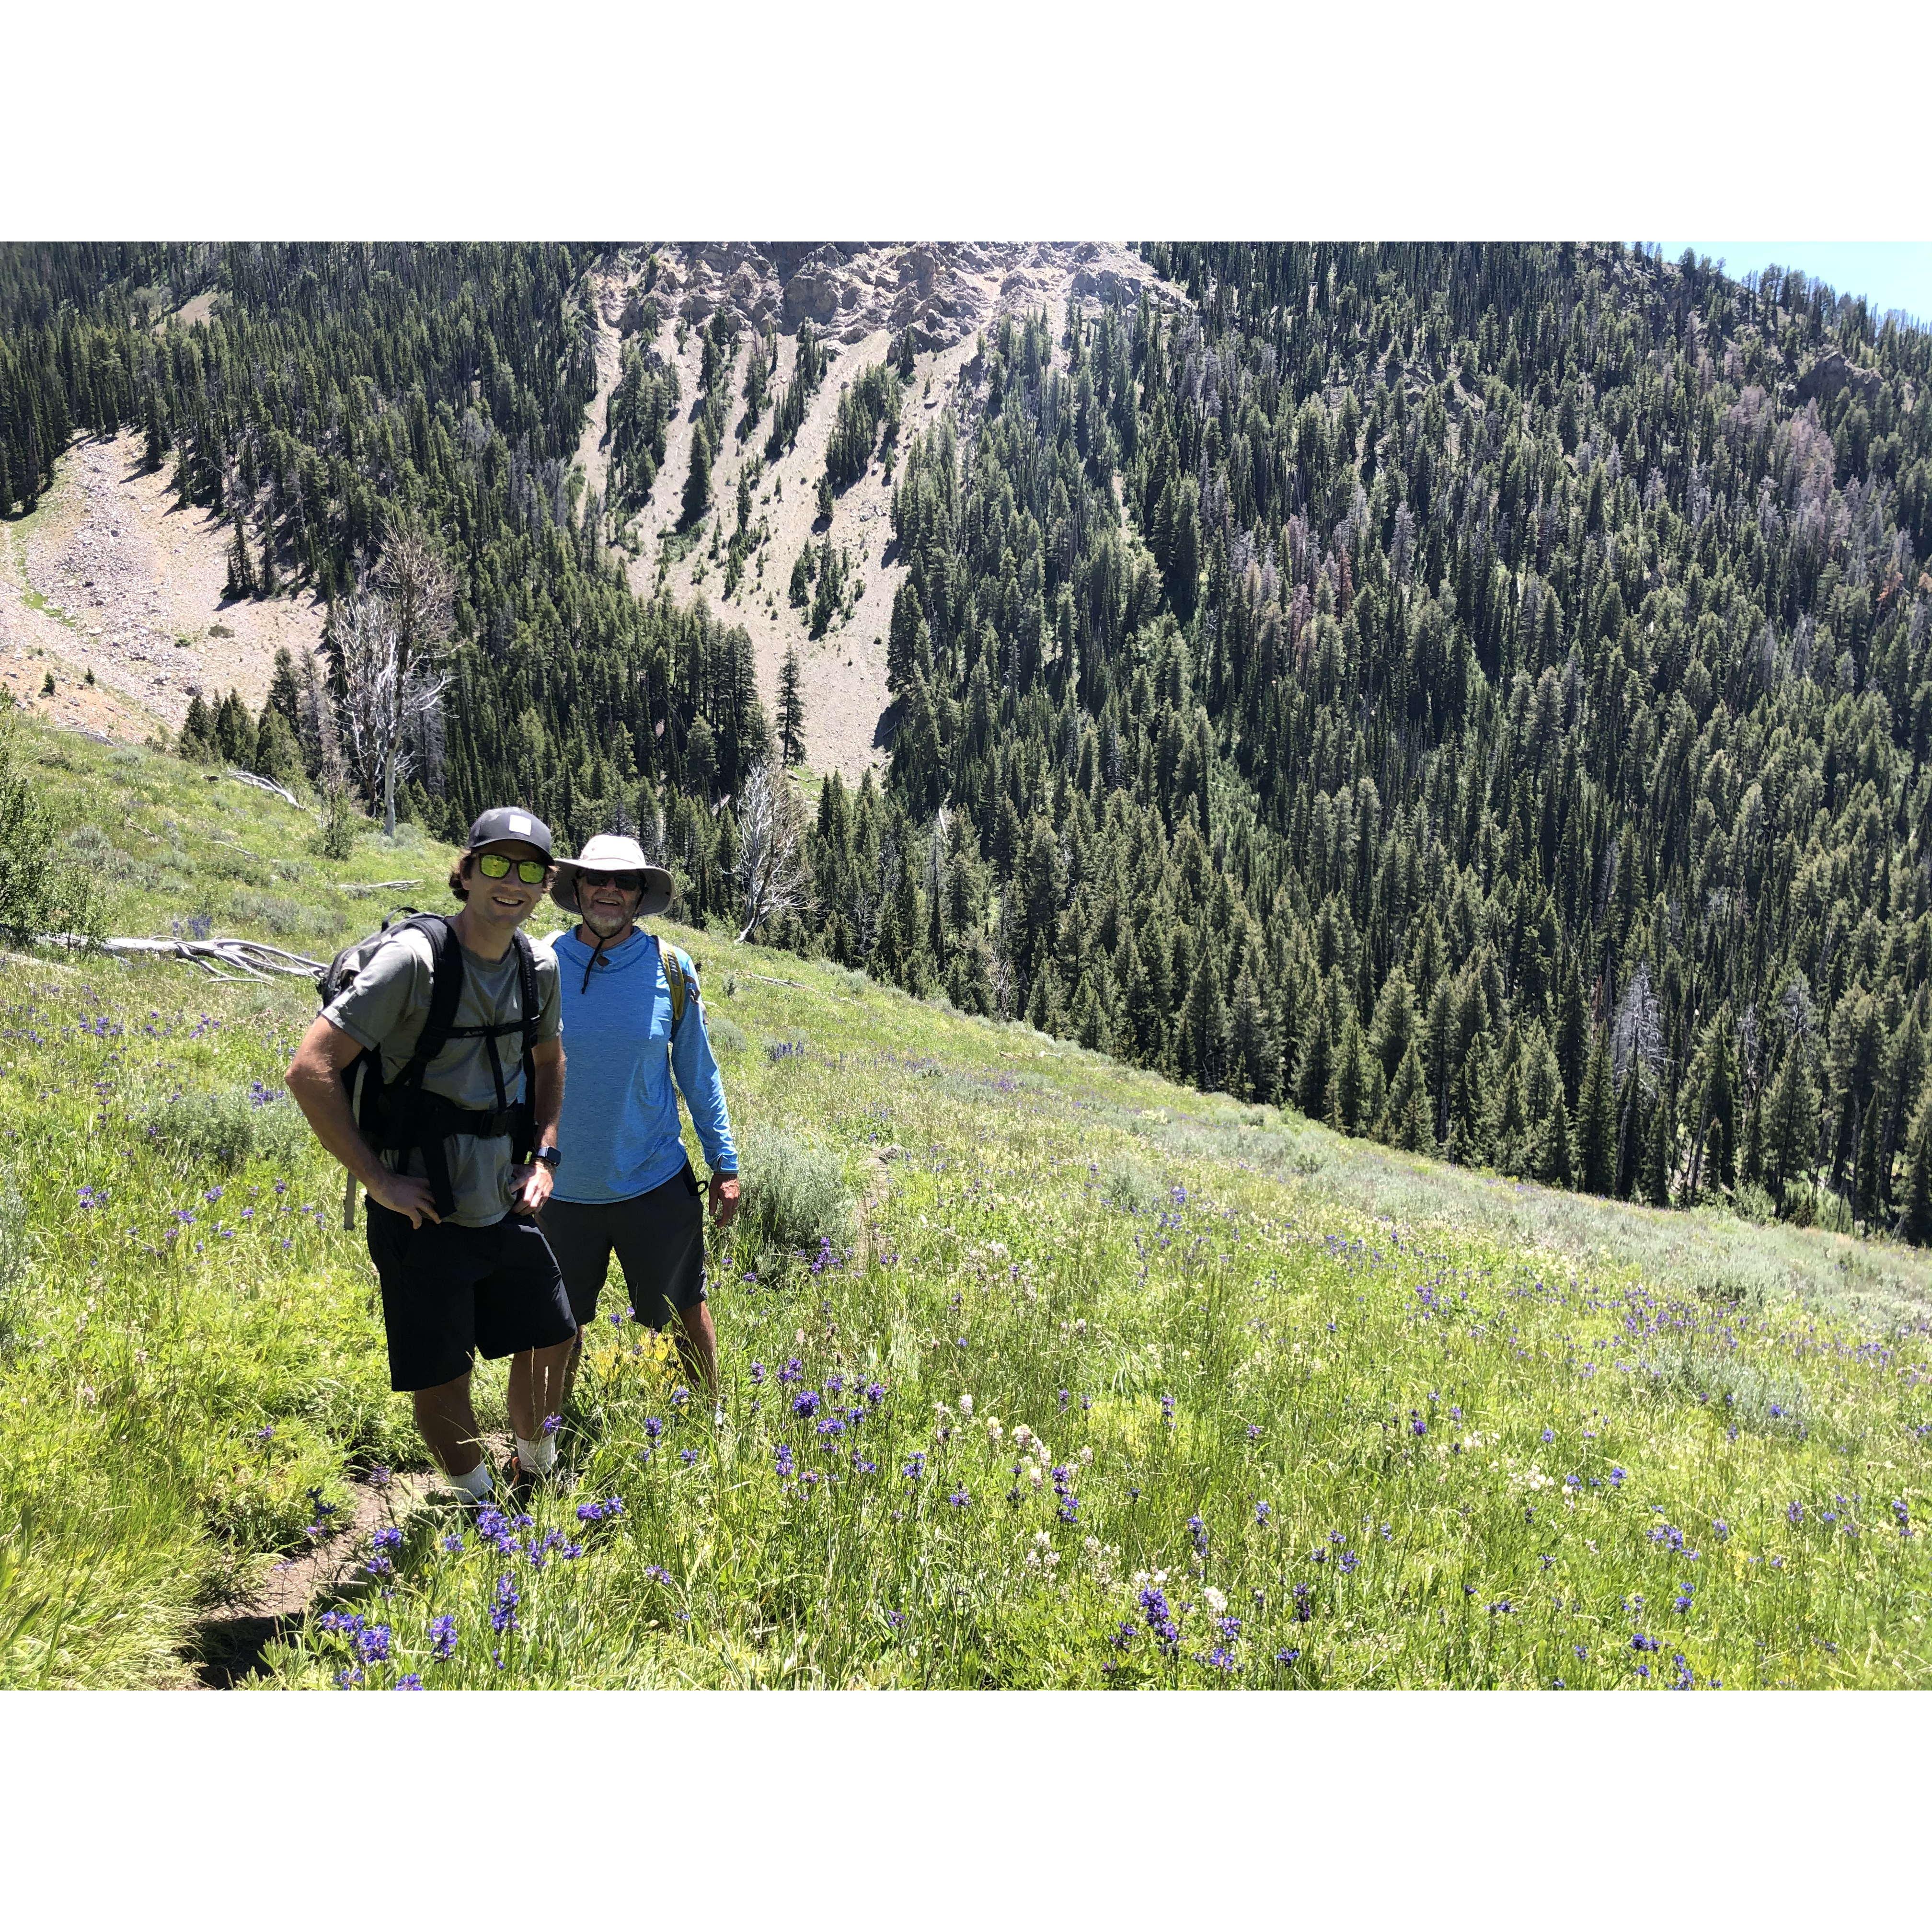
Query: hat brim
x=657, y=892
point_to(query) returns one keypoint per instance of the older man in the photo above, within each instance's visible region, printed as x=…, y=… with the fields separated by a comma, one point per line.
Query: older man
x=631, y=1010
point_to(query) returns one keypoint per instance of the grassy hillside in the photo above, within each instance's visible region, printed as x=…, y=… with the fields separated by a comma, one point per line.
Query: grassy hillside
x=1318, y=1414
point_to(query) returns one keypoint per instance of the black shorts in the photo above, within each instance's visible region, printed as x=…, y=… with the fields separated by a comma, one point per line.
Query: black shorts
x=659, y=1237
x=451, y=1292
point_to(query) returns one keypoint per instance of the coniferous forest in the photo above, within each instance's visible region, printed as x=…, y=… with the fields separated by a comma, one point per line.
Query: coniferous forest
x=1477, y=695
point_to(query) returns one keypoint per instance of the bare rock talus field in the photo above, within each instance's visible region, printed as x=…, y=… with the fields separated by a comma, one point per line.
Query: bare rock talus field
x=108, y=576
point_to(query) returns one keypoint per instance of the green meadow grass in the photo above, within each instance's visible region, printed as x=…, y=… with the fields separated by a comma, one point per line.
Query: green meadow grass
x=1132, y=1386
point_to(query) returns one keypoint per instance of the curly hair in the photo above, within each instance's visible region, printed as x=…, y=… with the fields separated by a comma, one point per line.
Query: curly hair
x=456, y=884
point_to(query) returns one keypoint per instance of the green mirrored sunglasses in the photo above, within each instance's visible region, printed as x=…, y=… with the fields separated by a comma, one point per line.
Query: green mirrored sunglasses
x=495, y=865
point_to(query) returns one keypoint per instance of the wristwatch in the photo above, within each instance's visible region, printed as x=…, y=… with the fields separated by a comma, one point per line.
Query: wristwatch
x=551, y=1156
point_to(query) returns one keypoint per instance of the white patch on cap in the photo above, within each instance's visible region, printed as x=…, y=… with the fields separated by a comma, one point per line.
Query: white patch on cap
x=518, y=823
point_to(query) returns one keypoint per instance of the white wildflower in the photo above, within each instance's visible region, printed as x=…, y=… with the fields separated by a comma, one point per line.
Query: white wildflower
x=1086, y=1455
x=965, y=1405
x=1215, y=1601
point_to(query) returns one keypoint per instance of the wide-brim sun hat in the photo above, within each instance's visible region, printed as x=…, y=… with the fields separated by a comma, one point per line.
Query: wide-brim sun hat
x=608, y=852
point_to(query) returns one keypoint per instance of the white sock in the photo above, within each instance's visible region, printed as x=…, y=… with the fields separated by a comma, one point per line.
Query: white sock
x=539, y=1458
x=476, y=1484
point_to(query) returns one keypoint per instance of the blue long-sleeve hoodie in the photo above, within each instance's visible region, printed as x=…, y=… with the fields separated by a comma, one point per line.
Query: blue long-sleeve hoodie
x=618, y=1130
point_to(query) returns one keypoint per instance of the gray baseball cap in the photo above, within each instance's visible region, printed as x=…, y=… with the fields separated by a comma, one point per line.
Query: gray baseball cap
x=507, y=824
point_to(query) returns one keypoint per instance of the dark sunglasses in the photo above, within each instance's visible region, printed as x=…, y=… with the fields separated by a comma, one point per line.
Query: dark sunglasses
x=495, y=865
x=625, y=882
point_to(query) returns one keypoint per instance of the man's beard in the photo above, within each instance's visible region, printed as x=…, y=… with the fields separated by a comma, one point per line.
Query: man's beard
x=605, y=925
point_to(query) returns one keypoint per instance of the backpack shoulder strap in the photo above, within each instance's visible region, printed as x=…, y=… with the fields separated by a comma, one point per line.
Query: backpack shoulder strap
x=529, y=993
x=530, y=1002
x=681, y=976
x=444, y=994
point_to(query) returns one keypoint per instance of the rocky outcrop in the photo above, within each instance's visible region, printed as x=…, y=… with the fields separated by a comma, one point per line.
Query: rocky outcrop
x=1831, y=373
x=942, y=292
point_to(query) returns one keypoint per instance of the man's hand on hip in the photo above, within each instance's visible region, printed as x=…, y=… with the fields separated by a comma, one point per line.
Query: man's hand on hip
x=404, y=1194
x=723, y=1198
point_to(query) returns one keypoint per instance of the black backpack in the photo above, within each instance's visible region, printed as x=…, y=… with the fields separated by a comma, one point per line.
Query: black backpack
x=402, y=1113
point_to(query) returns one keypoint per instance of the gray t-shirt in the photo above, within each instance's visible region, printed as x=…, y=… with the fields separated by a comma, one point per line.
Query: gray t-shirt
x=385, y=1006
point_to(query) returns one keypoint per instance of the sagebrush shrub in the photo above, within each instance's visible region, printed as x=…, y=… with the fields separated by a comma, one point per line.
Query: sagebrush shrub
x=795, y=1194
x=228, y=1127
x=727, y=1036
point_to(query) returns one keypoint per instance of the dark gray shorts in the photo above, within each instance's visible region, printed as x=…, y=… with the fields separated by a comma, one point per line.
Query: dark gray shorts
x=450, y=1293
x=659, y=1240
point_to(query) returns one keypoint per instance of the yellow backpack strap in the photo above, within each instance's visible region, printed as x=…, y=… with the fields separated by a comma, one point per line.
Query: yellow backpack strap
x=681, y=976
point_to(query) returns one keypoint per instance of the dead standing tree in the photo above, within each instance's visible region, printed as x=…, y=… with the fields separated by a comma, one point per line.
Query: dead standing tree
x=389, y=639
x=771, y=848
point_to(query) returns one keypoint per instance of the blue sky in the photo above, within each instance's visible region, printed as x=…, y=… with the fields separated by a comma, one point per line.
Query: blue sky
x=1888, y=274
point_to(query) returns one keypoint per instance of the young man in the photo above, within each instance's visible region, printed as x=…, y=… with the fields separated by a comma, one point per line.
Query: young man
x=463, y=1262
x=628, y=1185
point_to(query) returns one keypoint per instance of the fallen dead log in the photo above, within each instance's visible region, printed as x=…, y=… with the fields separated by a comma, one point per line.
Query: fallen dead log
x=382, y=886
x=248, y=958
x=260, y=784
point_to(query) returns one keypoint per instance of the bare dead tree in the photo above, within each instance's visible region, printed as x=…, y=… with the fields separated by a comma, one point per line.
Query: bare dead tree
x=771, y=850
x=416, y=580
x=387, y=688
x=1637, y=1032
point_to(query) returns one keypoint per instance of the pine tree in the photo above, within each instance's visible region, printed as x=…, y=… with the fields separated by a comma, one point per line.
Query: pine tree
x=1553, y=1157
x=154, y=442
x=1658, y=1152
x=1252, y=1045
x=241, y=582
x=1572, y=1033
x=197, y=732
x=1721, y=1135
x=1089, y=1020
x=1317, y=1067
x=1790, y=1122
x=906, y=644
x=1509, y=1125
x=1864, y=1171
x=1348, y=1085
x=1915, y=1217
x=277, y=756
x=1406, y=1120
x=285, y=691
x=1396, y=1023
x=698, y=479
x=1206, y=1031
x=790, y=719
x=1594, y=1157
